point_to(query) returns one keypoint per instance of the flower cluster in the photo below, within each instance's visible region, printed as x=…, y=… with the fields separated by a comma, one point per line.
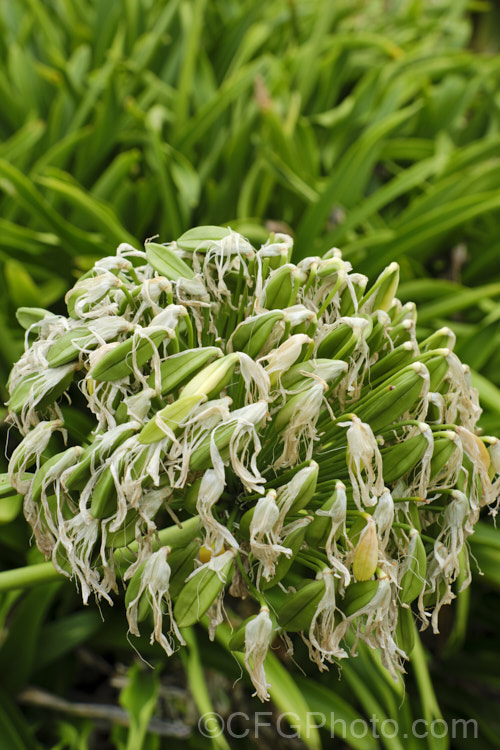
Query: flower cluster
x=263, y=431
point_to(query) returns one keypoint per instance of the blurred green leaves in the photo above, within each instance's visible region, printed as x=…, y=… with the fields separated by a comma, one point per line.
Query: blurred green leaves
x=367, y=126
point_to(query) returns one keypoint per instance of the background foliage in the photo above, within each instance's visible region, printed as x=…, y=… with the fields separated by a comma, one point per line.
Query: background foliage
x=373, y=126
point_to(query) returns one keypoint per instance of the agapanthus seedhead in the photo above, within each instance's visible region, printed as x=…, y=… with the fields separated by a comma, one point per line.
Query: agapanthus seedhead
x=258, y=421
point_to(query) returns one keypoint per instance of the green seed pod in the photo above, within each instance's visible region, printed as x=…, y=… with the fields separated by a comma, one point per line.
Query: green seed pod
x=296, y=404
x=281, y=288
x=67, y=348
x=253, y=413
x=341, y=341
x=89, y=291
x=118, y=363
x=405, y=630
x=356, y=288
x=41, y=389
x=381, y=295
x=132, y=591
x=167, y=263
x=438, y=367
x=253, y=333
x=53, y=466
x=331, y=383
x=116, y=540
x=413, y=569
x=98, y=451
x=319, y=530
x=445, y=446
x=299, y=491
x=237, y=641
x=181, y=563
x=296, y=613
x=395, y=399
x=330, y=370
x=104, y=496
x=401, y=458
x=30, y=316
x=442, y=339
x=201, y=238
x=294, y=541
x=6, y=489
x=377, y=338
x=178, y=368
x=358, y=595
x=391, y=363
x=202, y=589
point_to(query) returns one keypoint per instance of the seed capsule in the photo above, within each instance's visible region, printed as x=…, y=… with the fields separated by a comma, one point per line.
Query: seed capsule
x=167, y=262
x=253, y=333
x=212, y=379
x=358, y=595
x=178, y=368
x=202, y=588
x=413, y=569
x=298, y=610
x=366, y=556
x=167, y=419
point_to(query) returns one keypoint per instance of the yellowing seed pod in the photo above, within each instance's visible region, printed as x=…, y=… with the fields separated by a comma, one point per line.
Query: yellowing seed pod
x=168, y=418
x=212, y=379
x=365, y=559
